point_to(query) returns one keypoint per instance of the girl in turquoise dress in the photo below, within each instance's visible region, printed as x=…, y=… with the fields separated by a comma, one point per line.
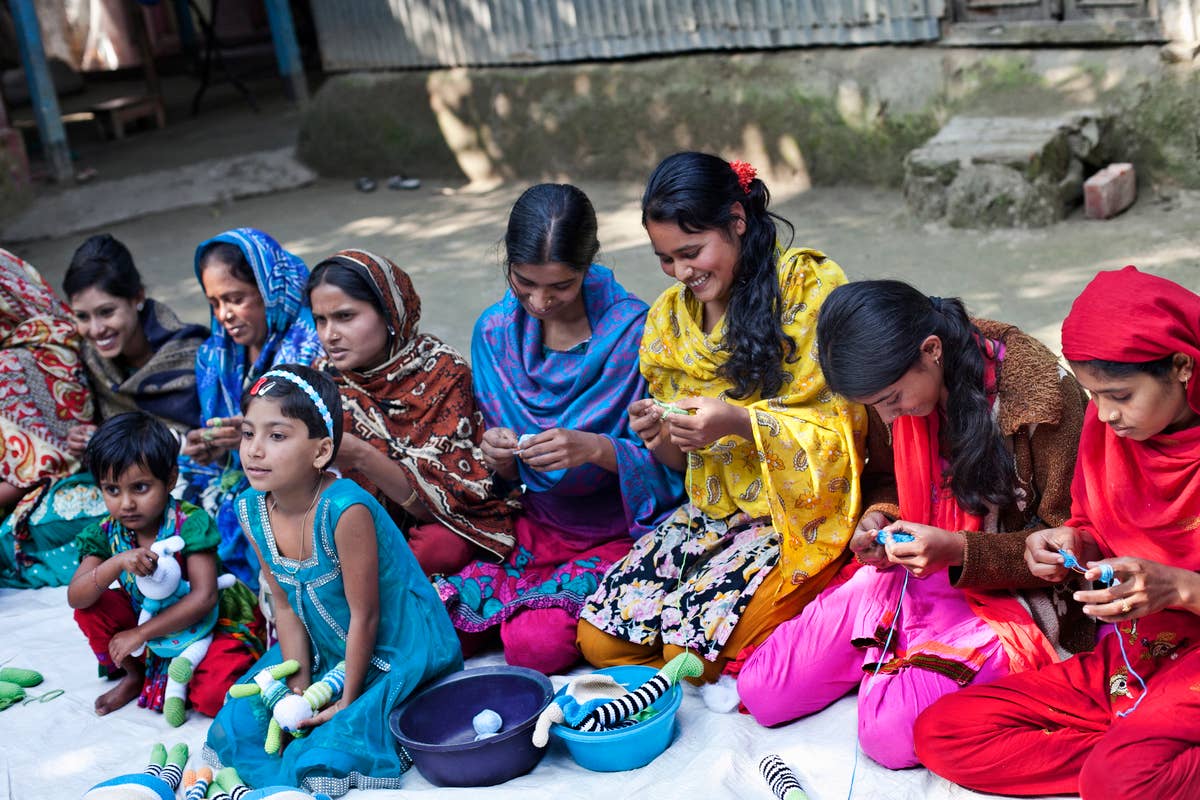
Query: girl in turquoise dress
x=354, y=593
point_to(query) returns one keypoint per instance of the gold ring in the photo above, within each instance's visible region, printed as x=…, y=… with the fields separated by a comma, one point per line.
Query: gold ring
x=1126, y=607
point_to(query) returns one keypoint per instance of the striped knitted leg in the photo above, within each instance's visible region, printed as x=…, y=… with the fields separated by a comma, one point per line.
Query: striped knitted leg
x=641, y=698
x=197, y=783
x=330, y=686
x=624, y=707
x=229, y=780
x=780, y=778
x=158, y=759
x=172, y=773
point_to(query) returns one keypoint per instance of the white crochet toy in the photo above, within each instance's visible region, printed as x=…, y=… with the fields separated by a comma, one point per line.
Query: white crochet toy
x=288, y=710
x=162, y=589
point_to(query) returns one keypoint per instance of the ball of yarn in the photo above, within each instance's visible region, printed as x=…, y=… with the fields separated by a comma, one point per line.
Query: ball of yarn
x=486, y=723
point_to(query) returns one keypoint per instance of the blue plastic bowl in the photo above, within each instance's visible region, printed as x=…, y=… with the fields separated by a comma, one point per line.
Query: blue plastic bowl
x=435, y=725
x=624, y=748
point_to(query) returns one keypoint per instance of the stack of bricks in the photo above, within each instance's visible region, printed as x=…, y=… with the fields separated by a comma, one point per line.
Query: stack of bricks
x=1110, y=191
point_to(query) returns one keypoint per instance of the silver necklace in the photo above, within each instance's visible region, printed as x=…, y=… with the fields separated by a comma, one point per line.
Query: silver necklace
x=300, y=537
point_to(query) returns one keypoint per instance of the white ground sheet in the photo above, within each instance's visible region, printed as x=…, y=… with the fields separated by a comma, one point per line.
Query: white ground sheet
x=56, y=750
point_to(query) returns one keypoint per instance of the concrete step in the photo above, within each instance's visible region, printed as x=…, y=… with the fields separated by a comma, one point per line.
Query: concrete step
x=987, y=172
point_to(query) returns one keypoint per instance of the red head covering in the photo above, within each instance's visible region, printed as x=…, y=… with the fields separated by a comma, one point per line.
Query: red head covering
x=1137, y=498
x=1127, y=315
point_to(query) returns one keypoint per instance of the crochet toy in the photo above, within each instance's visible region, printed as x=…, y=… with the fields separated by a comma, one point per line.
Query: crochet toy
x=666, y=409
x=487, y=723
x=195, y=784
x=14, y=682
x=597, y=702
x=780, y=778
x=162, y=589
x=288, y=710
x=229, y=786
x=158, y=781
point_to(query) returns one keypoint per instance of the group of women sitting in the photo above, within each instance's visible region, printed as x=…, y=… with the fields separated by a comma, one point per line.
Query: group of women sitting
x=816, y=486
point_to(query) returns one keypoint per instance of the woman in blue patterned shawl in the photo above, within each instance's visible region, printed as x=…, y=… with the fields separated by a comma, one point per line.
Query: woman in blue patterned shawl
x=556, y=367
x=255, y=291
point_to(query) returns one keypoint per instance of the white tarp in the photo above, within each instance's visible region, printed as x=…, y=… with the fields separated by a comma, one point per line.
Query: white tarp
x=56, y=750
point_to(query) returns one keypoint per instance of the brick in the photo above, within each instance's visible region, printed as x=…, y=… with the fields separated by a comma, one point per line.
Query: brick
x=1110, y=191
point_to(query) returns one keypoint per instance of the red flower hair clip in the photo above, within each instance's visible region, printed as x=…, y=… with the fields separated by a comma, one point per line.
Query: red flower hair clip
x=745, y=174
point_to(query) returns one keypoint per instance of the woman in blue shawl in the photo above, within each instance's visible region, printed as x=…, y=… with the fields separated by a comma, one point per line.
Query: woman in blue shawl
x=556, y=366
x=255, y=291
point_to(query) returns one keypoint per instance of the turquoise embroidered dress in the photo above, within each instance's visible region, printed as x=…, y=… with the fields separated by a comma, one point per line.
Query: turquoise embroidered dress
x=415, y=643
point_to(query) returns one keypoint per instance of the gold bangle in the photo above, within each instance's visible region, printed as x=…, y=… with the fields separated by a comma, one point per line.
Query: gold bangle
x=408, y=501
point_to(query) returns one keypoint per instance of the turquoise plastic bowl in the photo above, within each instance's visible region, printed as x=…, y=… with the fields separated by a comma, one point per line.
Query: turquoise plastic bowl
x=624, y=748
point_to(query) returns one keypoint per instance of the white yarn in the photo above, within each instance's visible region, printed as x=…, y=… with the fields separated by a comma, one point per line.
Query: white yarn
x=722, y=696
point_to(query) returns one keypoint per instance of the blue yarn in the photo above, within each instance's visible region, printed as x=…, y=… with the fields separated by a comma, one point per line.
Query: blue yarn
x=887, y=643
x=1107, y=577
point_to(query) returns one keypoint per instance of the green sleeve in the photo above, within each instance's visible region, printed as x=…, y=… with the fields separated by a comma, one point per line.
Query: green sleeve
x=91, y=541
x=199, y=530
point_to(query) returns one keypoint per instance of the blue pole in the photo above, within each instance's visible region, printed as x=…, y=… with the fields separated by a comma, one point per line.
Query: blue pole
x=287, y=50
x=41, y=90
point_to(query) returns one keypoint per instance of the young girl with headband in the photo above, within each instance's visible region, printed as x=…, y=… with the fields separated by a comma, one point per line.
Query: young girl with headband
x=334, y=554
x=739, y=402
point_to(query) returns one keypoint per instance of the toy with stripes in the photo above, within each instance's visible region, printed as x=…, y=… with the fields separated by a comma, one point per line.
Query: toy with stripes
x=158, y=781
x=780, y=778
x=596, y=702
x=196, y=783
x=613, y=713
x=294, y=709
x=229, y=786
x=288, y=710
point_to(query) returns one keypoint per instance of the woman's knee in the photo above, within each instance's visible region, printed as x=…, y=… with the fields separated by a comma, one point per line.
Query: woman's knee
x=602, y=649
x=541, y=639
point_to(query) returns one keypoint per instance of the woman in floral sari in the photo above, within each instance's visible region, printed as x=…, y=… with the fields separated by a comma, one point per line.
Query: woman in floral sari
x=42, y=396
x=255, y=290
x=772, y=456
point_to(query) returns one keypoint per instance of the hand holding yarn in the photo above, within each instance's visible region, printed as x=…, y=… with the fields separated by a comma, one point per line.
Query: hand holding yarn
x=1044, y=548
x=1136, y=588
x=923, y=550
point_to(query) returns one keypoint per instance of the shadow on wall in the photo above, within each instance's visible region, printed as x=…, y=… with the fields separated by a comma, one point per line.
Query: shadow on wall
x=606, y=122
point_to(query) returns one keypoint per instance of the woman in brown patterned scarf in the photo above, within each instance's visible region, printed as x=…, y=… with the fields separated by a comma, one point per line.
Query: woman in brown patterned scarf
x=412, y=430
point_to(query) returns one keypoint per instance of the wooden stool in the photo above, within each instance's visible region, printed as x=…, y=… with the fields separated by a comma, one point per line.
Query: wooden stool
x=114, y=114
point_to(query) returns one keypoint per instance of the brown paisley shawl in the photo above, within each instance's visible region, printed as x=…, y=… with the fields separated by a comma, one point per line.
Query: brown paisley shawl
x=417, y=407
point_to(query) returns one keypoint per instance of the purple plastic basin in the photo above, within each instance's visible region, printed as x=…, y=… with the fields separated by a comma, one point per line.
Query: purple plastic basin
x=435, y=725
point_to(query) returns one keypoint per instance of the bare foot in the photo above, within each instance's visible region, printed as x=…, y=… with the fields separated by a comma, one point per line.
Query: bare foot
x=128, y=688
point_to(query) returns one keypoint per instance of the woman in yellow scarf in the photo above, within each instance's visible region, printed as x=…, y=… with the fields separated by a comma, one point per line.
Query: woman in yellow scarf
x=772, y=457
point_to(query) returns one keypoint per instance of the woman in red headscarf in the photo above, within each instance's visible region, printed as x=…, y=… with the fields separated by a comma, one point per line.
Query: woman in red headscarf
x=1124, y=719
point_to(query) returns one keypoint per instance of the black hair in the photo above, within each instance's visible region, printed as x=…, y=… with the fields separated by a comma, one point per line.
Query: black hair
x=1160, y=368
x=132, y=438
x=552, y=222
x=349, y=276
x=231, y=256
x=294, y=402
x=696, y=191
x=869, y=333
x=102, y=262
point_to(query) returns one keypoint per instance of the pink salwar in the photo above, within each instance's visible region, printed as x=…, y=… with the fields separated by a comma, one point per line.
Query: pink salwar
x=834, y=645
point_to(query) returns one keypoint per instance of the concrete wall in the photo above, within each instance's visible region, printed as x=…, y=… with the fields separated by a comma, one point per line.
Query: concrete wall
x=819, y=116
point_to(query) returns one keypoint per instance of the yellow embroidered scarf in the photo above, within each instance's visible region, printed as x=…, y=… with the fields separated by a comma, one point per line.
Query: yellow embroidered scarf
x=802, y=467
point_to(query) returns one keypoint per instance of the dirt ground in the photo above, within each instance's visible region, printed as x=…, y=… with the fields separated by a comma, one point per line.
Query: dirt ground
x=448, y=240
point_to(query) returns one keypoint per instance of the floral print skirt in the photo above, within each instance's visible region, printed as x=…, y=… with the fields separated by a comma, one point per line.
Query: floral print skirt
x=686, y=582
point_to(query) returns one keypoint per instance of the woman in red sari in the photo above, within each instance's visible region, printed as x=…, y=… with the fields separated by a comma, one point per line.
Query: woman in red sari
x=1123, y=720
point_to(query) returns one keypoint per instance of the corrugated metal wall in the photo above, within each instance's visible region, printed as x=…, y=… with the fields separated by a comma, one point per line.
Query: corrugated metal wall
x=382, y=34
